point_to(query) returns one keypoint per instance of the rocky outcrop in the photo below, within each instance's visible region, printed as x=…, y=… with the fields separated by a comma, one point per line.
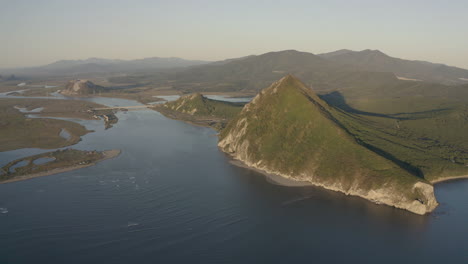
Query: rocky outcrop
x=81, y=87
x=188, y=104
x=289, y=131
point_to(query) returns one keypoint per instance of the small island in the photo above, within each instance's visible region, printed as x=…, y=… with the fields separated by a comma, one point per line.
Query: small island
x=54, y=162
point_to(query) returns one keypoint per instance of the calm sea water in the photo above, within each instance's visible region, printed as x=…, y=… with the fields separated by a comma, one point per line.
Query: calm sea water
x=173, y=197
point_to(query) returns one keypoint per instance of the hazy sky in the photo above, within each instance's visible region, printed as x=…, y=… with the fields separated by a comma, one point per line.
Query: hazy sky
x=34, y=32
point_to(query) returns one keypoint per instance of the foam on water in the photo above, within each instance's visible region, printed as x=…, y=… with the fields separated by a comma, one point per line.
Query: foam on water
x=130, y=224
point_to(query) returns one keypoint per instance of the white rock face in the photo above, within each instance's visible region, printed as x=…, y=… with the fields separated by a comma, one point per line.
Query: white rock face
x=80, y=87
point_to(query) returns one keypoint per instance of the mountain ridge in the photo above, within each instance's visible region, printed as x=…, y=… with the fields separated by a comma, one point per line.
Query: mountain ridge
x=375, y=60
x=101, y=65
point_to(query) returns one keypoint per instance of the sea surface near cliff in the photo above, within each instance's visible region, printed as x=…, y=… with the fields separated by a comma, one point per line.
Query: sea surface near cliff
x=173, y=197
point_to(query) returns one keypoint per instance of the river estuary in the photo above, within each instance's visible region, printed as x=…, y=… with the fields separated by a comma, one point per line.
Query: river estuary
x=173, y=197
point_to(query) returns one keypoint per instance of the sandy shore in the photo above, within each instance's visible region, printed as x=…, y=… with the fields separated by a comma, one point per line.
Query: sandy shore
x=273, y=178
x=108, y=154
x=452, y=178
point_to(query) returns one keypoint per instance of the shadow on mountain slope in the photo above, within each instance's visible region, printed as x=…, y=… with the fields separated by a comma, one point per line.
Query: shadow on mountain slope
x=336, y=99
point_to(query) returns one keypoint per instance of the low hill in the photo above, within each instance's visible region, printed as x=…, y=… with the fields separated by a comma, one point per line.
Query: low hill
x=197, y=109
x=81, y=87
x=289, y=131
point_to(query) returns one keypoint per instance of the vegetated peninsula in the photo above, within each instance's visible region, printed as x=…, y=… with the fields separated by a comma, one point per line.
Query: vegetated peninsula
x=27, y=123
x=289, y=131
x=199, y=110
x=50, y=163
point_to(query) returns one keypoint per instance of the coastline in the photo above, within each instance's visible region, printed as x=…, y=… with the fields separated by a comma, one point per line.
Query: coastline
x=372, y=197
x=272, y=178
x=186, y=118
x=450, y=178
x=108, y=154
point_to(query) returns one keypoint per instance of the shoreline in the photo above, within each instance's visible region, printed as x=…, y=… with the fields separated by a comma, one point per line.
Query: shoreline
x=108, y=154
x=288, y=182
x=272, y=178
x=178, y=116
x=280, y=180
x=450, y=178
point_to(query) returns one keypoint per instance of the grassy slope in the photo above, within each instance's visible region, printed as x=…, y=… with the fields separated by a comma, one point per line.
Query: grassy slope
x=198, y=105
x=292, y=131
x=199, y=110
x=430, y=134
x=373, y=60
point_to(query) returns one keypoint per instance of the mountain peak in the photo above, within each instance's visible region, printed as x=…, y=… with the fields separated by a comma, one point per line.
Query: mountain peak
x=374, y=52
x=288, y=84
x=288, y=131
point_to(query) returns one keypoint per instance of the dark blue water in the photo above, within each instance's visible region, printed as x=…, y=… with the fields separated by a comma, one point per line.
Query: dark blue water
x=173, y=197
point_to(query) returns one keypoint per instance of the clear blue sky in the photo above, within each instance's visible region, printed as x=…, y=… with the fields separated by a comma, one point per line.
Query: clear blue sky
x=34, y=32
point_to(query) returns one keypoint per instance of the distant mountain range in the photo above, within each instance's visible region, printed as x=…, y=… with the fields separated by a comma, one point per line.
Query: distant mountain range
x=338, y=70
x=357, y=74
x=375, y=60
x=99, y=65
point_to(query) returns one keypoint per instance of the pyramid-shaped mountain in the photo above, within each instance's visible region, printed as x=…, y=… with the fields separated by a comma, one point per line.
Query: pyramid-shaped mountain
x=289, y=131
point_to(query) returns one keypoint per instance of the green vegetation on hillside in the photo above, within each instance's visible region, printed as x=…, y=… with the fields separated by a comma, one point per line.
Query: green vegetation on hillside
x=429, y=136
x=292, y=130
x=288, y=130
x=375, y=60
x=426, y=136
x=200, y=110
x=198, y=105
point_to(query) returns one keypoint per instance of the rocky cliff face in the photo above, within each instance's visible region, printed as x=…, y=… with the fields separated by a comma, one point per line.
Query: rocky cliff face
x=189, y=104
x=81, y=87
x=289, y=131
